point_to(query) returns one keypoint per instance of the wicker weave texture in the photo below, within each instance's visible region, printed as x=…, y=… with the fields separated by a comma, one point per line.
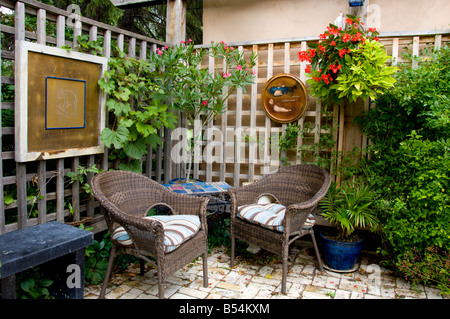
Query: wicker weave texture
x=299, y=188
x=125, y=198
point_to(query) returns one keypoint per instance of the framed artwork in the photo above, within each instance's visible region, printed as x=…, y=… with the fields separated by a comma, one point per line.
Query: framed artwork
x=284, y=98
x=59, y=106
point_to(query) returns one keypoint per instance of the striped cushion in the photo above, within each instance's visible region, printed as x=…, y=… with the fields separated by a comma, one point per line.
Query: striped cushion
x=270, y=215
x=177, y=229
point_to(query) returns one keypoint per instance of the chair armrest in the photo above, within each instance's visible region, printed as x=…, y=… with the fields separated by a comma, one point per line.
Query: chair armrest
x=147, y=234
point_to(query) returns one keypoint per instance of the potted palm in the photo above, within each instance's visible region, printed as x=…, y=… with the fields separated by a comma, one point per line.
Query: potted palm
x=349, y=207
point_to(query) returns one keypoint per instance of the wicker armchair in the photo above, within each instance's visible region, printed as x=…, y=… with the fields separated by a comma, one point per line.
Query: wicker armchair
x=298, y=188
x=125, y=199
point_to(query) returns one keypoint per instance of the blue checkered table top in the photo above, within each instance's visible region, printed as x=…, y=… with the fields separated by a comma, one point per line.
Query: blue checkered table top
x=200, y=188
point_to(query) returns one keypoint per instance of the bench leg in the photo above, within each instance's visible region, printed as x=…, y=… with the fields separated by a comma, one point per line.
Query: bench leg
x=8, y=287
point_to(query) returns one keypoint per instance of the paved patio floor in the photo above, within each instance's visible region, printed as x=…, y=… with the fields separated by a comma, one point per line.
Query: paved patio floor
x=252, y=280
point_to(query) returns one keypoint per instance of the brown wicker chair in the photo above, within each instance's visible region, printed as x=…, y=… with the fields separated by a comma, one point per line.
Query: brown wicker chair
x=299, y=188
x=125, y=198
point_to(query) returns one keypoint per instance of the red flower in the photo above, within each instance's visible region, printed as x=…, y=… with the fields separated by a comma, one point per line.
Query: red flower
x=356, y=37
x=342, y=52
x=346, y=37
x=323, y=36
x=326, y=78
x=348, y=21
x=333, y=43
x=335, y=68
x=321, y=48
x=303, y=56
x=308, y=69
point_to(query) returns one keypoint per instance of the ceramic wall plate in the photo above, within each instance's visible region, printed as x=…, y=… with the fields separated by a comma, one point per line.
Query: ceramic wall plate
x=284, y=98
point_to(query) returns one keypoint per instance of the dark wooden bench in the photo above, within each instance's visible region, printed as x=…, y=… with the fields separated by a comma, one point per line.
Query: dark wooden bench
x=58, y=248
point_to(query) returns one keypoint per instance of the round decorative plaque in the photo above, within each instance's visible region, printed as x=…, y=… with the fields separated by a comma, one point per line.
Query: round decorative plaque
x=284, y=98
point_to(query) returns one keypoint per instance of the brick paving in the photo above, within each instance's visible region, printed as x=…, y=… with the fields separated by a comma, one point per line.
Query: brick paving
x=249, y=280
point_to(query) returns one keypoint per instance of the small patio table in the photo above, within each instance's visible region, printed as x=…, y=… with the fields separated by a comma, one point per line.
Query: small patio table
x=217, y=192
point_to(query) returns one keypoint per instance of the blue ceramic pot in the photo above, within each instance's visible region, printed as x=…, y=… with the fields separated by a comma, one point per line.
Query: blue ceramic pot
x=341, y=255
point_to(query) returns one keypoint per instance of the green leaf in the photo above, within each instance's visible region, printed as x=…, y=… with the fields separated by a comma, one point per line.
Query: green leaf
x=8, y=199
x=145, y=129
x=116, y=138
x=135, y=149
x=132, y=166
x=119, y=108
x=45, y=282
x=28, y=284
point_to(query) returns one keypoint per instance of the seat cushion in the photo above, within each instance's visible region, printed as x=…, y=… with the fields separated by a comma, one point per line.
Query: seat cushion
x=177, y=230
x=270, y=215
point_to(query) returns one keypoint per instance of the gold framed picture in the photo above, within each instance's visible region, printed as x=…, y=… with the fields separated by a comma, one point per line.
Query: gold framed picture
x=284, y=98
x=59, y=106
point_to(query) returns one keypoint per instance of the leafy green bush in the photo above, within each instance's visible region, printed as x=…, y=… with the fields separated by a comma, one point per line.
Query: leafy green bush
x=409, y=164
x=96, y=262
x=32, y=284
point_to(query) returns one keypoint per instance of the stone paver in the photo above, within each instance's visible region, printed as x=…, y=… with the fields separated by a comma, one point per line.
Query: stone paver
x=251, y=281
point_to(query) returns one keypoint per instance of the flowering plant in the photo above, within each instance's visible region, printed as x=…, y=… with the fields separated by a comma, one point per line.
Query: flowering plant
x=199, y=92
x=347, y=63
x=194, y=89
x=142, y=94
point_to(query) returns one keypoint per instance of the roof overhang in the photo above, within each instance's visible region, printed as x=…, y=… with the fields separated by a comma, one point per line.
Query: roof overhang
x=127, y=4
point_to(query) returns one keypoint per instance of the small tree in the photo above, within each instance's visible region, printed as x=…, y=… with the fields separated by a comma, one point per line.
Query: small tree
x=192, y=88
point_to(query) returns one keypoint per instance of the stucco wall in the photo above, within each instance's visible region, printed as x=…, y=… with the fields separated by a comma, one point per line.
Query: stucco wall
x=259, y=20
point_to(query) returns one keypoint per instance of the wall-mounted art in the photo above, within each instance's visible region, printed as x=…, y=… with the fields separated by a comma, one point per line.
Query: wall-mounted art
x=59, y=107
x=284, y=98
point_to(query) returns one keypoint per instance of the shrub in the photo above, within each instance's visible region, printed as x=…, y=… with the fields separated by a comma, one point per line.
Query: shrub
x=409, y=165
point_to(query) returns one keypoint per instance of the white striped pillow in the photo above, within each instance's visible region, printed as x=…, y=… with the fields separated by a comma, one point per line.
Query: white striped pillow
x=177, y=230
x=269, y=215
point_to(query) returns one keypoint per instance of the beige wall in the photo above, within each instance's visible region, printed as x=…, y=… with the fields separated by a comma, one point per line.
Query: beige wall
x=259, y=20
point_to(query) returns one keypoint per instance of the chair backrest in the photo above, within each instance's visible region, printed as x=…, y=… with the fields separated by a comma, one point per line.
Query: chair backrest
x=297, y=183
x=130, y=192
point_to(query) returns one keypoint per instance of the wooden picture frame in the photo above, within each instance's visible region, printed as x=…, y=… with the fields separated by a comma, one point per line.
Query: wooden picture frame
x=284, y=98
x=59, y=107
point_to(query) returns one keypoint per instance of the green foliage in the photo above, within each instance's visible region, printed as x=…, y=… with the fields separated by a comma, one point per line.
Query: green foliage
x=350, y=206
x=347, y=64
x=409, y=164
x=96, y=262
x=418, y=213
x=366, y=74
x=218, y=231
x=136, y=102
x=194, y=89
x=430, y=267
x=32, y=284
x=81, y=176
x=186, y=83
